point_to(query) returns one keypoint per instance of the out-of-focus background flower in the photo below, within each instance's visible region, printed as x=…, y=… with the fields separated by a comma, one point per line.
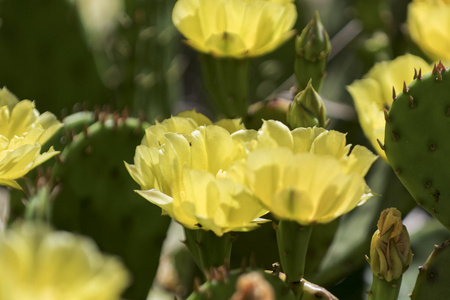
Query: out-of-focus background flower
x=82, y=59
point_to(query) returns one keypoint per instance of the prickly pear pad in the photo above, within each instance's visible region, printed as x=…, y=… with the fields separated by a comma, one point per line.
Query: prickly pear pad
x=417, y=141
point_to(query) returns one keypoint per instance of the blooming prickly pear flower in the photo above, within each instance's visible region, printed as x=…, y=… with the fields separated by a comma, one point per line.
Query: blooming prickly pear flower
x=390, y=249
x=235, y=28
x=41, y=264
x=23, y=131
x=307, y=175
x=374, y=93
x=429, y=27
x=190, y=175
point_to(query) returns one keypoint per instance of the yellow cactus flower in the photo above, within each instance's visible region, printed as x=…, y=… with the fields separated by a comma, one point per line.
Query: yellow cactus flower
x=429, y=27
x=186, y=174
x=41, y=264
x=235, y=28
x=374, y=93
x=307, y=175
x=22, y=133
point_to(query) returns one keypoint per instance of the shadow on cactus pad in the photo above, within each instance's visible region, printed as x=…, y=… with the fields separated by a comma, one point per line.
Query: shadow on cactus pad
x=97, y=198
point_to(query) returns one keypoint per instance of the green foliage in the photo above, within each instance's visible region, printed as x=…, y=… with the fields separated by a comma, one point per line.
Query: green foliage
x=96, y=196
x=432, y=281
x=417, y=141
x=224, y=285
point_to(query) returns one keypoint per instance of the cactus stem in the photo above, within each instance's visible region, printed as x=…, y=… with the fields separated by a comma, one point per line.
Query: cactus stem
x=394, y=95
x=386, y=115
x=413, y=103
x=381, y=144
x=405, y=88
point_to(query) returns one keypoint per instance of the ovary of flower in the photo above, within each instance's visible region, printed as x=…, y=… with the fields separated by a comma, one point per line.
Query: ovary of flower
x=235, y=28
x=373, y=93
x=307, y=175
x=22, y=133
x=41, y=264
x=429, y=26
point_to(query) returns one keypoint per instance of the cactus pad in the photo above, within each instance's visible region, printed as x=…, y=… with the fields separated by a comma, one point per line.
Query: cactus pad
x=432, y=281
x=417, y=140
x=243, y=284
x=97, y=197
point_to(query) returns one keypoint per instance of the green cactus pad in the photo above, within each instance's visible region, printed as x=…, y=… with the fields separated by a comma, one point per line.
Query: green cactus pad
x=248, y=283
x=417, y=141
x=97, y=197
x=432, y=281
x=224, y=285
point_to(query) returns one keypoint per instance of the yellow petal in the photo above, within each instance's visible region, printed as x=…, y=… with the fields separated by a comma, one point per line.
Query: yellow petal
x=199, y=118
x=7, y=99
x=275, y=133
x=330, y=143
x=159, y=199
x=429, y=27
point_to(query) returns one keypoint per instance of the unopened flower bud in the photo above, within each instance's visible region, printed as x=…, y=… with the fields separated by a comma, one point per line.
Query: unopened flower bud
x=312, y=48
x=390, y=251
x=307, y=109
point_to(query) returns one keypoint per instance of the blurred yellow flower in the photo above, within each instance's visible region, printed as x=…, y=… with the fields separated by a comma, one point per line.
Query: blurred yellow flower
x=41, y=264
x=235, y=28
x=373, y=93
x=307, y=175
x=429, y=27
x=183, y=167
x=22, y=133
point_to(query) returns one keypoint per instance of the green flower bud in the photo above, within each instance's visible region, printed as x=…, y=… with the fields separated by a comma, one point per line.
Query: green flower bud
x=312, y=48
x=307, y=109
x=390, y=249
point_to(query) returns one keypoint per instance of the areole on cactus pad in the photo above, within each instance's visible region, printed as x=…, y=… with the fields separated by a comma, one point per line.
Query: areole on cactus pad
x=417, y=140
